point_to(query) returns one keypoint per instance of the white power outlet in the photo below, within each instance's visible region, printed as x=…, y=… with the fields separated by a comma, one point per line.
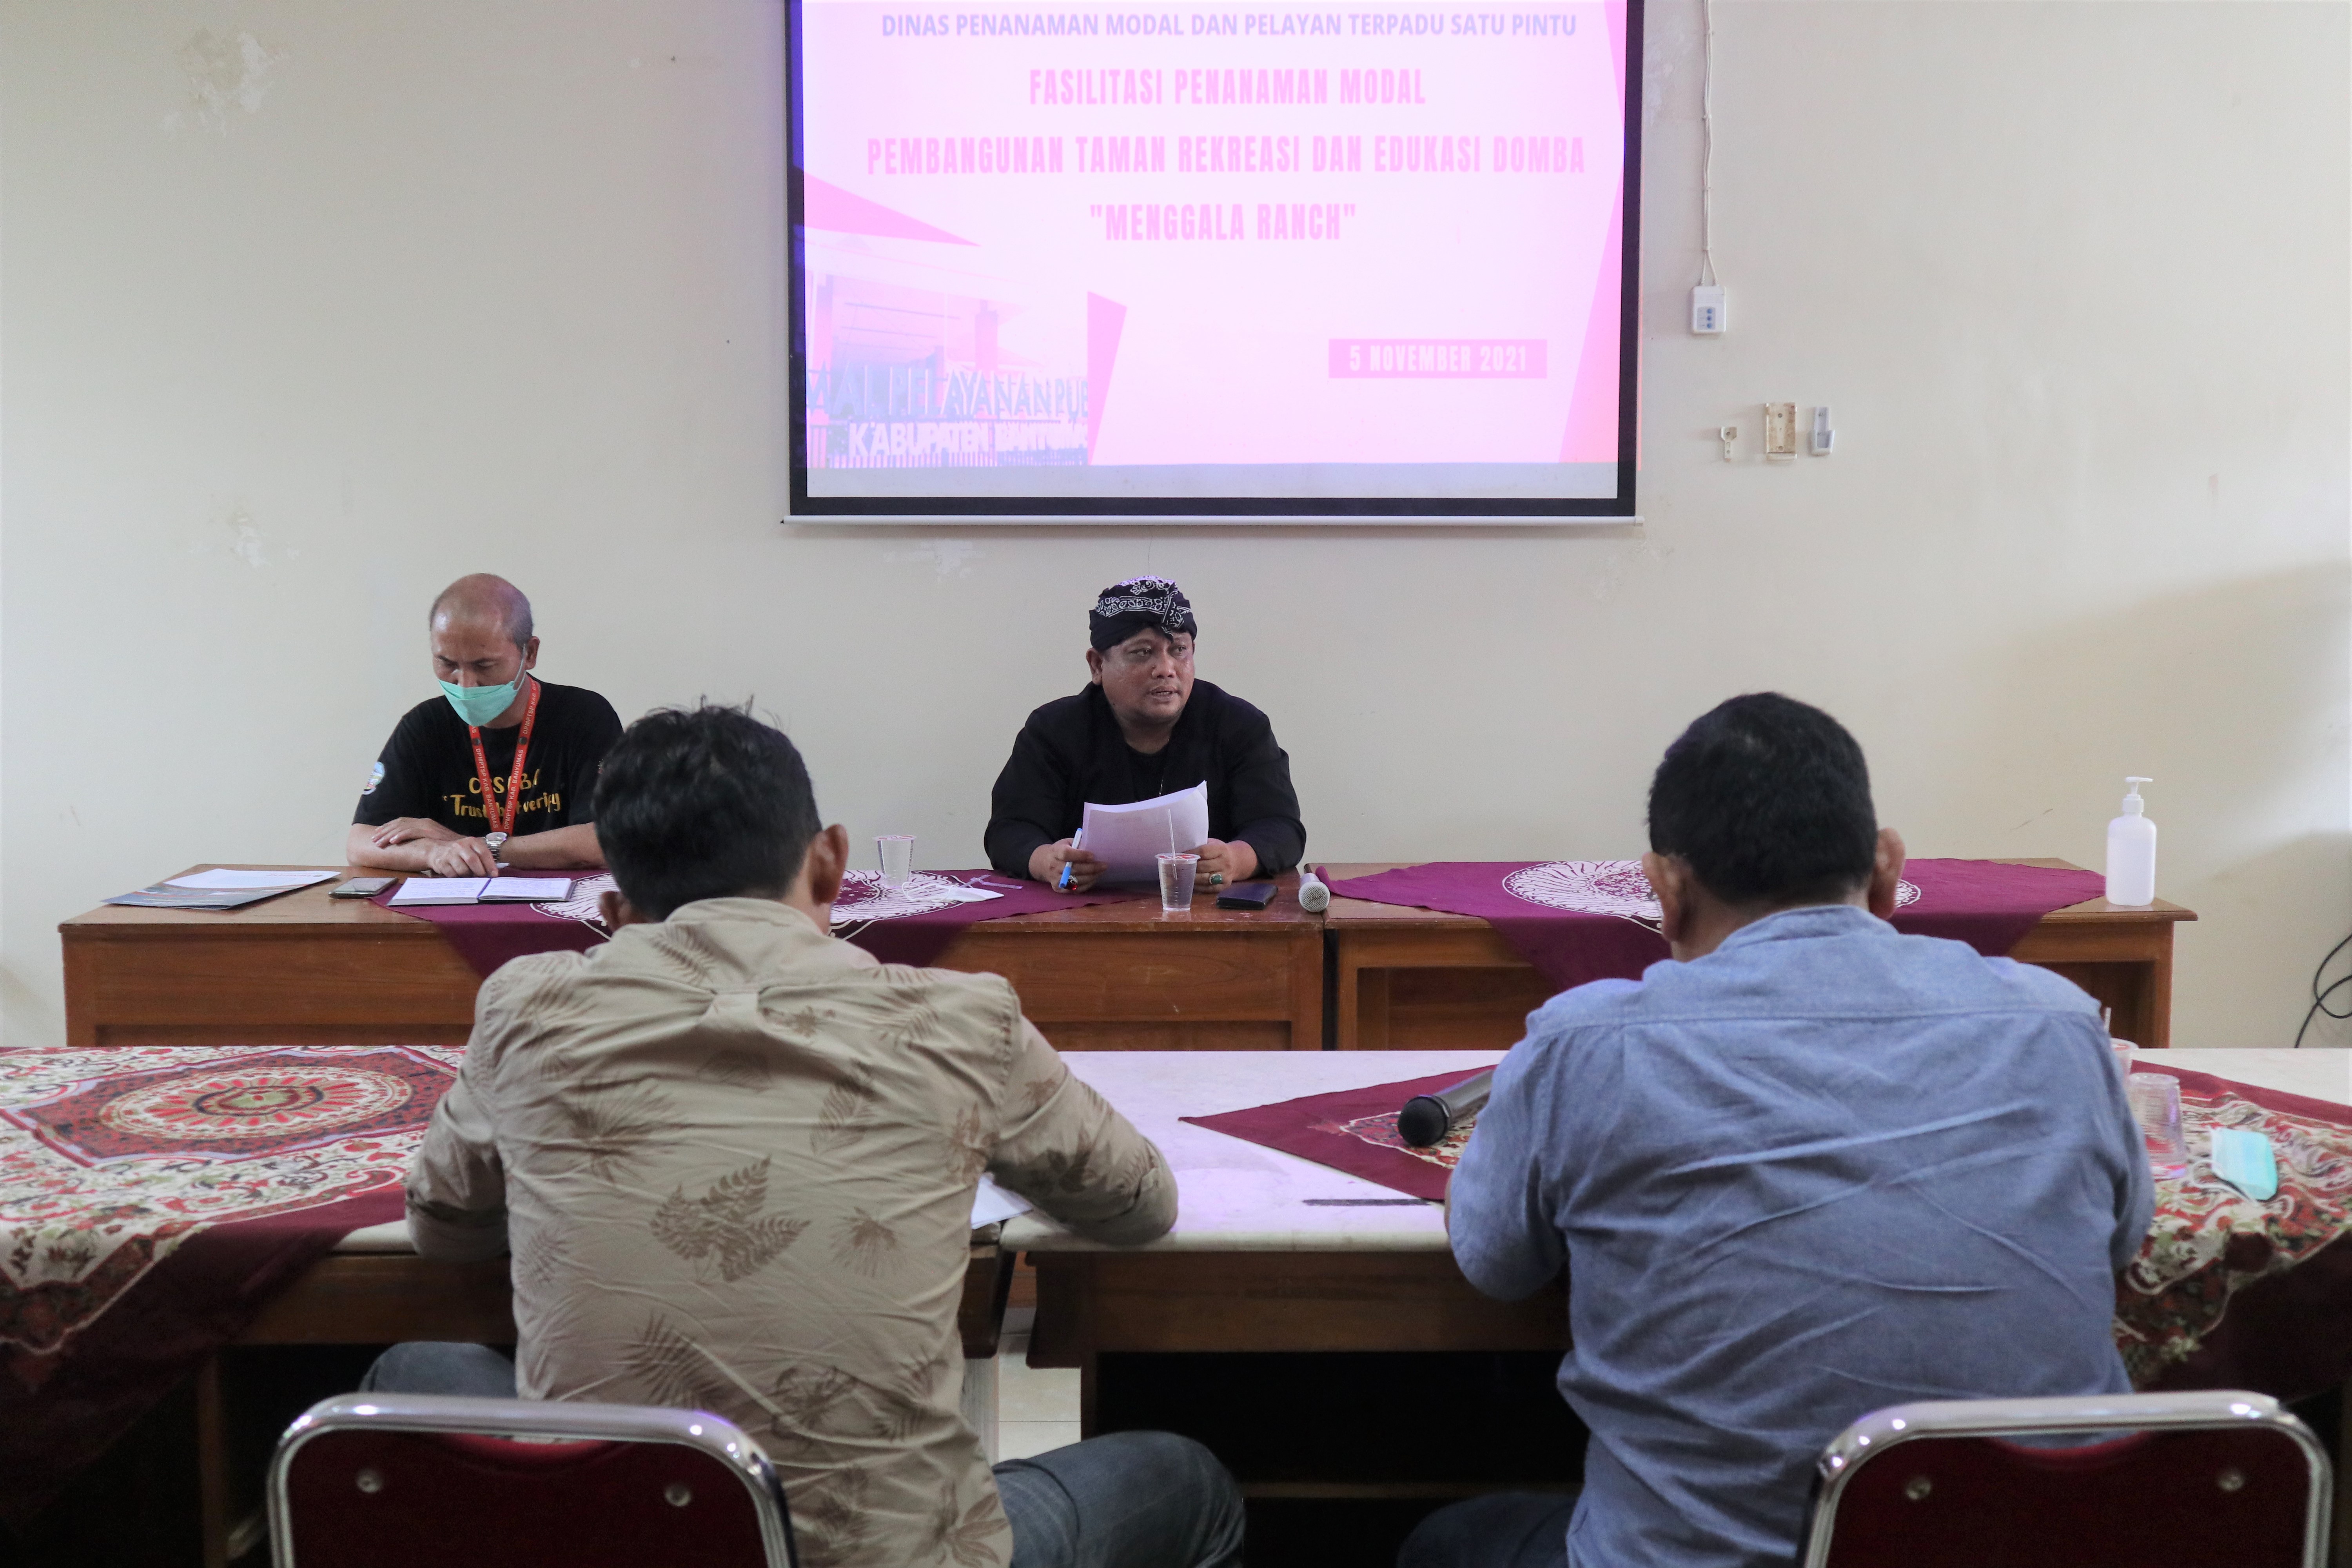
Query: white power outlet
x=1710, y=312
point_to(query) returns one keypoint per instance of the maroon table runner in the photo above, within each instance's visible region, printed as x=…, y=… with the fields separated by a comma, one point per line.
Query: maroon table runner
x=917, y=939
x=1579, y=921
x=1354, y=1129
x=2225, y=1293
x=486, y=935
x=152, y=1201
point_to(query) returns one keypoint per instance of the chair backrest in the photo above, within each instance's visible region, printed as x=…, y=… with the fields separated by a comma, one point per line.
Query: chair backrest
x=2212, y=1476
x=392, y=1480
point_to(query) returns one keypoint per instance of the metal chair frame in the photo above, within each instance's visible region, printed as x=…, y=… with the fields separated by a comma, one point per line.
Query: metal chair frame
x=536, y=1419
x=2199, y=1410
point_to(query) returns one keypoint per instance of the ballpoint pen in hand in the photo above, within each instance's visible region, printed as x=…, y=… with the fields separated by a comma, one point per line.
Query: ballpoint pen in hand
x=1076, y=839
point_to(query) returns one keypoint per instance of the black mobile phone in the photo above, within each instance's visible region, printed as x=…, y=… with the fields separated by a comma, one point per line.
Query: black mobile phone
x=1246, y=896
x=362, y=887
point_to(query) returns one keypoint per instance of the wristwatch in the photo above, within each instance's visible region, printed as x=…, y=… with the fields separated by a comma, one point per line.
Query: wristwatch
x=496, y=841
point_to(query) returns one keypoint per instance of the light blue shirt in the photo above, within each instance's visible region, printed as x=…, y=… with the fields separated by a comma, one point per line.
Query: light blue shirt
x=1823, y=1169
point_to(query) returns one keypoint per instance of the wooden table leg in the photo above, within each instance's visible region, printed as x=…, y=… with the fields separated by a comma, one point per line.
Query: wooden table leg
x=1363, y=1007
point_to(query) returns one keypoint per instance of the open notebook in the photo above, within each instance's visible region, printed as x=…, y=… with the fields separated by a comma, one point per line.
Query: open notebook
x=480, y=890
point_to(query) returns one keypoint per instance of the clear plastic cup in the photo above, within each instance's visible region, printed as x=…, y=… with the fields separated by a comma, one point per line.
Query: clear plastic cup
x=1176, y=882
x=898, y=857
x=2154, y=1099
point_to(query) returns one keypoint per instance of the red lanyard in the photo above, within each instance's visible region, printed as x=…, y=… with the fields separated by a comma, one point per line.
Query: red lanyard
x=514, y=784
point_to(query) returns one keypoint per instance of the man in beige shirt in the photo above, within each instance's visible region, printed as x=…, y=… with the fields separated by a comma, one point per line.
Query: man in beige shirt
x=733, y=1160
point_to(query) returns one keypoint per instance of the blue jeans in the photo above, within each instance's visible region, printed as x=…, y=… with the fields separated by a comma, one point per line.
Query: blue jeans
x=1501, y=1530
x=1130, y=1500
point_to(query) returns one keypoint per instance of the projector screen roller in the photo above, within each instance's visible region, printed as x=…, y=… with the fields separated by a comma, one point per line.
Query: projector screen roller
x=1290, y=263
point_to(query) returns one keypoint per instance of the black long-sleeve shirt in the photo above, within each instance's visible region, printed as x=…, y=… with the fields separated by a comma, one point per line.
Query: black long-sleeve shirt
x=1072, y=751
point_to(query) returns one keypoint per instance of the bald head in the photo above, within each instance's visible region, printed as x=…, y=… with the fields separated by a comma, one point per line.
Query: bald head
x=482, y=600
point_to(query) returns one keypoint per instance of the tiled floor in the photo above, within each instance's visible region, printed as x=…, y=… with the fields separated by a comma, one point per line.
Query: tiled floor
x=1035, y=1409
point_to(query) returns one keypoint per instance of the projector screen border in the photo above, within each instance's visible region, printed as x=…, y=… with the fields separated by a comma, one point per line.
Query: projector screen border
x=1429, y=511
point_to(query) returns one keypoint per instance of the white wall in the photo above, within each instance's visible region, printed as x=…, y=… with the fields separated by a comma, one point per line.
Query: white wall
x=292, y=332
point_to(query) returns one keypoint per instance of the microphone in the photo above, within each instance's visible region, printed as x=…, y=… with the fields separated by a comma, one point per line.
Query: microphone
x=1426, y=1118
x=1314, y=894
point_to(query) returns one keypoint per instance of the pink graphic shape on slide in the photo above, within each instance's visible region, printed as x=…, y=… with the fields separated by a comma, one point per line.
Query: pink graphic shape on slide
x=1105, y=317
x=1592, y=434
x=832, y=208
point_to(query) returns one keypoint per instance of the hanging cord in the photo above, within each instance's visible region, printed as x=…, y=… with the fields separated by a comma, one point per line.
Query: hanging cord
x=2320, y=994
x=1707, y=144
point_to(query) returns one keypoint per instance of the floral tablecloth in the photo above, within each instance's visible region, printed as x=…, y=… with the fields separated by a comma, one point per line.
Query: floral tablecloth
x=152, y=1199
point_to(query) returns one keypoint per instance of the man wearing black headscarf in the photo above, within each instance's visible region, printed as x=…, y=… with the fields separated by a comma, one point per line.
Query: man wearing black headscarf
x=1144, y=727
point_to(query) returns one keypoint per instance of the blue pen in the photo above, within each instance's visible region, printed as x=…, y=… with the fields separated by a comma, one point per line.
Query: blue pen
x=1076, y=839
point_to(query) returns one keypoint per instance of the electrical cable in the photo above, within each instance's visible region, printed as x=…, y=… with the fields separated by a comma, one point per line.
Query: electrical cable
x=2320, y=994
x=1707, y=145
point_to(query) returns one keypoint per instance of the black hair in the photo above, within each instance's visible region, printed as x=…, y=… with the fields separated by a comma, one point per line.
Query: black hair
x=1768, y=800
x=703, y=802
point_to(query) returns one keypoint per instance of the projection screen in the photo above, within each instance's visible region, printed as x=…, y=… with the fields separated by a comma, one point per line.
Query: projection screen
x=1291, y=264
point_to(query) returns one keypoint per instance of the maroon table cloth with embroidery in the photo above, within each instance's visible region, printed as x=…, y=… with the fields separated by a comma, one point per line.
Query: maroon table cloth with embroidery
x=488, y=935
x=1985, y=903
x=2225, y=1292
x=154, y=1198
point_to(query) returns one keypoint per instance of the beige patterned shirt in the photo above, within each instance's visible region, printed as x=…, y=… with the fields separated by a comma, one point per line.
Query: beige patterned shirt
x=734, y=1161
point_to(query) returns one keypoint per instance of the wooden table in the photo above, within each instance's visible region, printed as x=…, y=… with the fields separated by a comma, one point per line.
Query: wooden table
x=1409, y=978
x=305, y=969
x=1273, y=1253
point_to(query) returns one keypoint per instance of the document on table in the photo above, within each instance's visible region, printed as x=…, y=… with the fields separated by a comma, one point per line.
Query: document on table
x=1129, y=840
x=224, y=878
x=223, y=888
x=418, y=890
x=991, y=1203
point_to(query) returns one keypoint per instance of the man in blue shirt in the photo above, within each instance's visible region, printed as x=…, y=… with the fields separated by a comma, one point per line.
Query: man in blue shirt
x=1808, y=1169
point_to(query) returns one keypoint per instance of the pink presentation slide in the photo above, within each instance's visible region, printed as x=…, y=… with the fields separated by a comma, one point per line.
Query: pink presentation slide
x=1211, y=252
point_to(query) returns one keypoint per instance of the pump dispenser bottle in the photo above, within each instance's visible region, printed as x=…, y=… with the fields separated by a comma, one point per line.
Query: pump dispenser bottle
x=2131, y=851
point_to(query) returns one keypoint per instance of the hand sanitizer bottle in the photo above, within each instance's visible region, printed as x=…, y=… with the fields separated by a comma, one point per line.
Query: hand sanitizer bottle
x=2131, y=851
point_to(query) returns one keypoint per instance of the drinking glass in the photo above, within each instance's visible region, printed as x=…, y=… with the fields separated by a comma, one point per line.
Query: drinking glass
x=898, y=857
x=2154, y=1099
x=1176, y=882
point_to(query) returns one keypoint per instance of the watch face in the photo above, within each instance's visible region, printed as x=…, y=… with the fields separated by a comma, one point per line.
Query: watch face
x=496, y=841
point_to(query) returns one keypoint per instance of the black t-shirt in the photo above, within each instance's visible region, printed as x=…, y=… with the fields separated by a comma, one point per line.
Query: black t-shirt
x=427, y=766
x=1072, y=752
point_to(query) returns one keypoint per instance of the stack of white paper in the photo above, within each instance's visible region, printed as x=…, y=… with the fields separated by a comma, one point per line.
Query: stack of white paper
x=1131, y=838
x=223, y=878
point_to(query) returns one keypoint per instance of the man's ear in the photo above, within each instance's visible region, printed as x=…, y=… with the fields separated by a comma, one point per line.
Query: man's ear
x=1095, y=665
x=530, y=653
x=618, y=911
x=1886, y=873
x=828, y=859
x=1670, y=880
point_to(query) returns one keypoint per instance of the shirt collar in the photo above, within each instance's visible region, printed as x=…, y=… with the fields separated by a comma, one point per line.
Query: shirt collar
x=1809, y=920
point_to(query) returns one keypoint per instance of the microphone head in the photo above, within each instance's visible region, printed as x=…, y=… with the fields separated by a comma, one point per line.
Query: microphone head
x=1423, y=1120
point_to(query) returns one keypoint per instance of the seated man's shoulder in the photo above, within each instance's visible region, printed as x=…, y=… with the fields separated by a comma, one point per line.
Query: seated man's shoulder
x=2031, y=985
x=1597, y=1004
x=981, y=999
x=1230, y=712
x=1060, y=714
x=577, y=704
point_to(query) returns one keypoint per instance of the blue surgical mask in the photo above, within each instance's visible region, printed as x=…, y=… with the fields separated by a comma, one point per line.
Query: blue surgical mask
x=477, y=705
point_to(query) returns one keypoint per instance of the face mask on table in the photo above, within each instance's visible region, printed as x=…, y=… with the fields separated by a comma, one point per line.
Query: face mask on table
x=477, y=705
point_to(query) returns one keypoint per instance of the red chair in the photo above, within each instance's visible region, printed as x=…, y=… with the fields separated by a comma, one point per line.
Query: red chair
x=2209, y=1477
x=396, y=1481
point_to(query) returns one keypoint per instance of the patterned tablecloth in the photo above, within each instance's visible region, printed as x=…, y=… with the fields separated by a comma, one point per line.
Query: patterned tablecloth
x=2226, y=1292
x=152, y=1199
x=1580, y=920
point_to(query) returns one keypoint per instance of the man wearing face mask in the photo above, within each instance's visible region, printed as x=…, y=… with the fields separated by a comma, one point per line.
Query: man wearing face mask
x=500, y=767
x=1142, y=728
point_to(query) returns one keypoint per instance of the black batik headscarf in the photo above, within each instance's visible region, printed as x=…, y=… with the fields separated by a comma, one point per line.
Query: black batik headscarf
x=1139, y=605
